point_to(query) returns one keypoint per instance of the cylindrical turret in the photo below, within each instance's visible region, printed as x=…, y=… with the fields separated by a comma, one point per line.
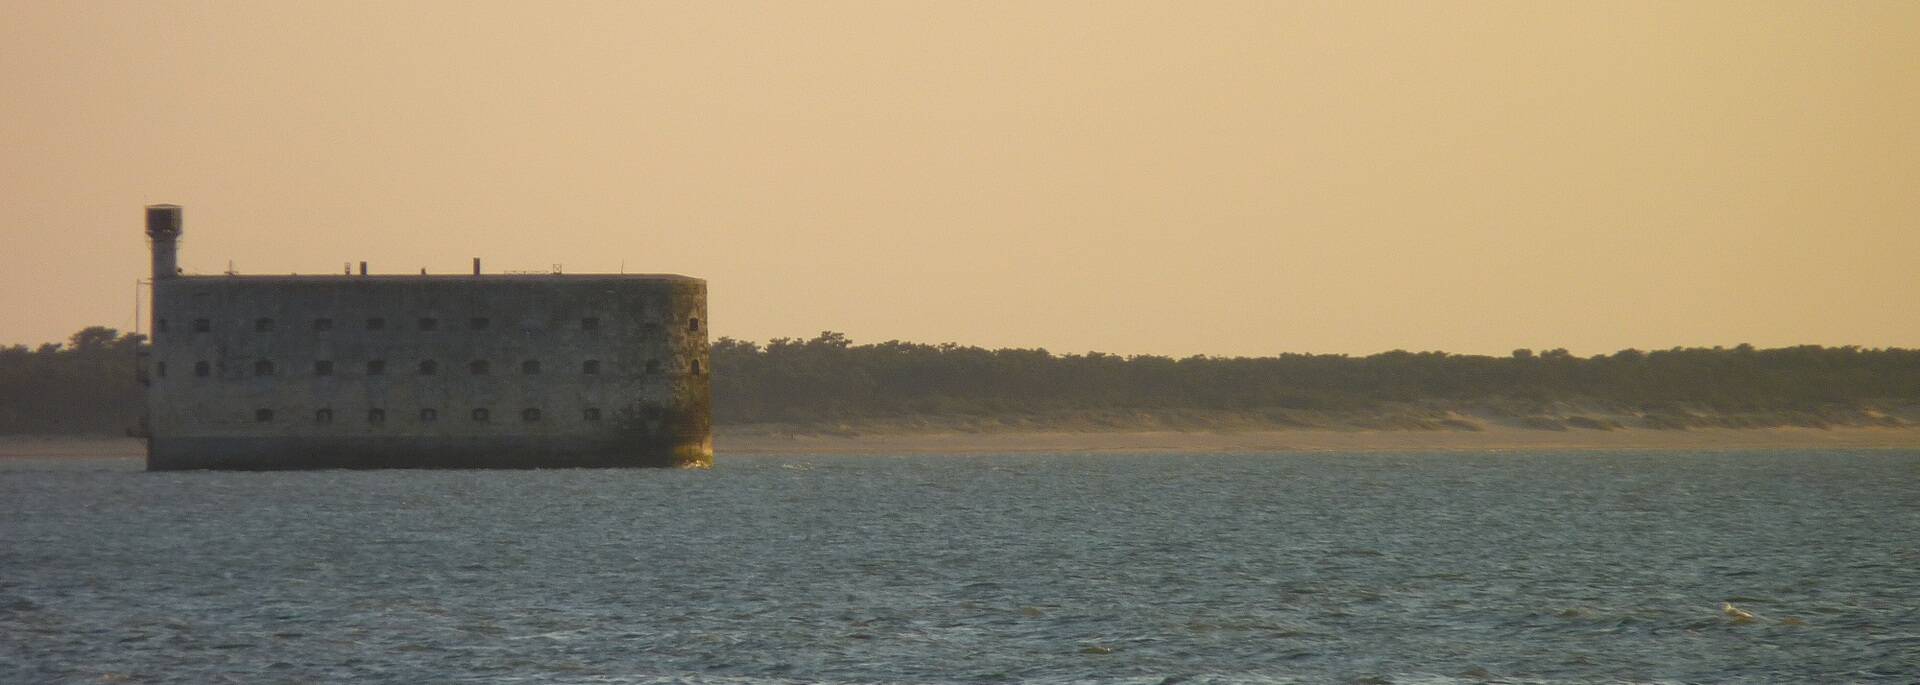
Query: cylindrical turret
x=163, y=230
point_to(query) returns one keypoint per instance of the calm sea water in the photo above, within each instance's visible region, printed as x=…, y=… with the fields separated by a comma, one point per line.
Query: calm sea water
x=1376, y=568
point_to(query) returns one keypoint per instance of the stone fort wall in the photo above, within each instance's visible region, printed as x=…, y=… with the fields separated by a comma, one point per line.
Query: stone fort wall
x=428, y=371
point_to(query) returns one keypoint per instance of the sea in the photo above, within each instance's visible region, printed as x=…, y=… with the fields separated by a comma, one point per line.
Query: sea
x=1509, y=567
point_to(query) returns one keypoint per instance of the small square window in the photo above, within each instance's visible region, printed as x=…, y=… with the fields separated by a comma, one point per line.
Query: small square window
x=263, y=325
x=590, y=367
x=695, y=367
x=429, y=323
x=376, y=323
x=530, y=367
x=429, y=367
x=323, y=416
x=591, y=323
x=263, y=415
x=323, y=324
x=376, y=367
x=592, y=414
x=478, y=367
x=323, y=367
x=376, y=416
x=202, y=325
x=263, y=368
x=160, y=326
x=160, y=369
x=481, y=415
x=429, y=416
x=653, y=366
x=479, y=323
x=202, y=369
x=530, y=415
x=693, y=325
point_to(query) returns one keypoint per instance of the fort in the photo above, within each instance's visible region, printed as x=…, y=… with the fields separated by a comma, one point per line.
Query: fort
x=427, y=371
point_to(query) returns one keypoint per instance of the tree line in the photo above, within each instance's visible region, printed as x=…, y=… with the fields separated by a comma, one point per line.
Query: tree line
x=88, y=384
x=85, y=385
x=828, y=378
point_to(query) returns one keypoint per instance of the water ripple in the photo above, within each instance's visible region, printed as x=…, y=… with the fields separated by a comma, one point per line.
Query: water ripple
x=1507, y=568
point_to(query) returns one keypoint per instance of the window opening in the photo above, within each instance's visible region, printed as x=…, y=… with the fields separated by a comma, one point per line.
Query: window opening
x=202, y=369
x=530, y=415
x=376, y=367
x=591, y=323
x=263, y=368
x=478, y=323
x=262, y=415
x=480, y=415
x=429, y=323
x=323, y=416
x=429, y=416
x=696, y=367
x=376, y=416
x=428, y=367
x=160, y=369
x=376, y=323
x=202, y=325
x=323, y=367
x=693, y=324
x=323, y=324
x=263, y=325
x=530, y=367
x=653, y=366
x=592, y=413
x=477, y=367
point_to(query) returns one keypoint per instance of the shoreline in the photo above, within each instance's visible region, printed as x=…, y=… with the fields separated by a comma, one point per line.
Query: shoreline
x=751, y=440
x=1321, y=440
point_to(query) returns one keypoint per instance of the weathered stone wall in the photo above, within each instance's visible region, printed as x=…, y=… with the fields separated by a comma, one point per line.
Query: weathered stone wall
x=267, y=399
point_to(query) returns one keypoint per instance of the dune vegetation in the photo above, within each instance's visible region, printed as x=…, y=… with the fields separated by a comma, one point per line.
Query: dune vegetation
x=87, y=385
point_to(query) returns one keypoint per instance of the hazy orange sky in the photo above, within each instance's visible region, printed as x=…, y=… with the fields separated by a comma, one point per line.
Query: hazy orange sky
x=1175, y=178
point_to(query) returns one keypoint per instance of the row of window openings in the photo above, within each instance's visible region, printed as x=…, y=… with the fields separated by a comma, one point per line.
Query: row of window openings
x=479, y=367
x=478, y=323
x=379, y=416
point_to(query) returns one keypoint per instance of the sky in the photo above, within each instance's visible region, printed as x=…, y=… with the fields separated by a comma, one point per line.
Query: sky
x=1172, y=178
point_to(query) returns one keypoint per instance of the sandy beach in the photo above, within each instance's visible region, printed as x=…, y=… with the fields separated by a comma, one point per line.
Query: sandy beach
x=753, y=440
x=1492, y=439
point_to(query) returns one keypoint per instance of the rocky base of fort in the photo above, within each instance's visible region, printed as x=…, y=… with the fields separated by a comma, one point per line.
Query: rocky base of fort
x=281, y=454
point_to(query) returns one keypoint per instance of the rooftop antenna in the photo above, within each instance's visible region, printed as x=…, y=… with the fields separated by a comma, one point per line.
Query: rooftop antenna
x=230, y=271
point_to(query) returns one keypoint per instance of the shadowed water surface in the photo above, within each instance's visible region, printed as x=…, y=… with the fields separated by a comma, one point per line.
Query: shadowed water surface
x=1368, y=568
